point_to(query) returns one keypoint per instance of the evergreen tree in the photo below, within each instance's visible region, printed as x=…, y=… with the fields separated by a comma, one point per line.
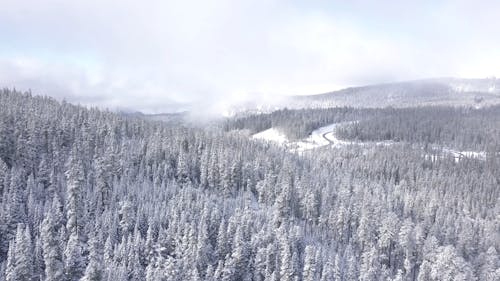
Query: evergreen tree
x=20, y=261
x=310, y=267
x=51, y=243
x=94, y=269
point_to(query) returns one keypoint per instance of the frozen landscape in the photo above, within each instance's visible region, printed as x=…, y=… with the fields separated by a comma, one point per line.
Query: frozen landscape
x=96, y=195
x=323, y=136
x=249, y=140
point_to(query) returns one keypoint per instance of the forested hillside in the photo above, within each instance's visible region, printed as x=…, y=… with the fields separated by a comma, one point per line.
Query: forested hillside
x=461, y=128
x=92, y=195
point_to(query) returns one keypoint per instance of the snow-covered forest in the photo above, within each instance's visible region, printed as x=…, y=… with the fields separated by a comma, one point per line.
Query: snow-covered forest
x=461, y=128
x=87, y=194
x=457, y=127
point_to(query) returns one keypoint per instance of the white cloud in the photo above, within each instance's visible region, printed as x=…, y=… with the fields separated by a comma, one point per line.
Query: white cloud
x=149, y=54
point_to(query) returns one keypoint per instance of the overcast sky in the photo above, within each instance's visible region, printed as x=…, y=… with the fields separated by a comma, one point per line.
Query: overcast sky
x=148, y=55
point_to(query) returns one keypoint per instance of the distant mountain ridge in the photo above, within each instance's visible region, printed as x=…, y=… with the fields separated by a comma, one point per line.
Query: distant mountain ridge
x=425, y=92
x=438, y=91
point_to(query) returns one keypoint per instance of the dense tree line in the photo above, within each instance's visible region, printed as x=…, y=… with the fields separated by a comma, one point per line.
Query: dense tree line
x=91, y=195
x=295, y=124
x=461, y=128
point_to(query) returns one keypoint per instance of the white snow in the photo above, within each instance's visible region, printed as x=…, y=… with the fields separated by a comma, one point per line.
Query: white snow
x=456, y=154
x=320, y=137
x=474, y=154
x=271, y=135
x=481, y=155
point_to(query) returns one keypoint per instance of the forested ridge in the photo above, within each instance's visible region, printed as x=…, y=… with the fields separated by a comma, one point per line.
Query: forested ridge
x=92, y=195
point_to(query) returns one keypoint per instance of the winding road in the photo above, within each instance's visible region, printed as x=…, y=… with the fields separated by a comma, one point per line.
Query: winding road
x=324, y=136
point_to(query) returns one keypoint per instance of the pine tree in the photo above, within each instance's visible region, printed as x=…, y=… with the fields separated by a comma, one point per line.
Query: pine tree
x=38, y=259
x=449, y=266
x=310, y=267
x=329, y=271
x=136, y=270
x=127, y=218
x=103, y=179
x=52, y=254
x=182, y=173
x=43, y=175
x=20, y=256
x=490, y=269
x=286, y=261
x=310, y=207
x=74, y=259
x=75, y=182
x=10, y=270
x=16, y=206
x=94, y=269
x=387, y=237
x=204, y=250
x=370, y=267
x=4, y=173
x=237, y=264
x=222, y=241
x=407, y=243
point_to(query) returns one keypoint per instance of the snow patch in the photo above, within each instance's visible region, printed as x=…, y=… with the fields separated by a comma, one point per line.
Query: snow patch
x=271, y=135
x=456, y=154
x=321, y=137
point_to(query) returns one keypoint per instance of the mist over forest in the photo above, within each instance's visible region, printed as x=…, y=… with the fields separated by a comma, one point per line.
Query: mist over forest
x=249, y=140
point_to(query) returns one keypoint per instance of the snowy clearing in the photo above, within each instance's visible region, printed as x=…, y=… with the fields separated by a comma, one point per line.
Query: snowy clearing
x=271, y=135
x=320, y=137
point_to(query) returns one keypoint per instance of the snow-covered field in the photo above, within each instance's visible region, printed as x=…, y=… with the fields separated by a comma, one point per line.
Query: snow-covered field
x=320, y=137
x=271, y=135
